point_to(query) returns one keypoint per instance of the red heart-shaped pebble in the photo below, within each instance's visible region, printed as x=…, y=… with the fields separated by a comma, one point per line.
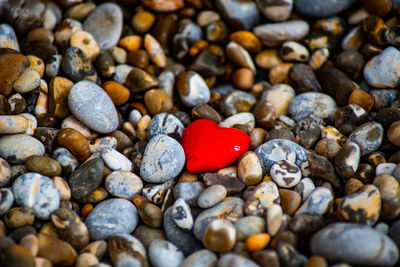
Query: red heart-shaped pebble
x=209, y=147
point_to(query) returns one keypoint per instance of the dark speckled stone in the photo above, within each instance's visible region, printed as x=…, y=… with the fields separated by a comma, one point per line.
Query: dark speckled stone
x=318, y=8
x=241, y=14
x=86, y=178
x=77, y=66
x=166, y=124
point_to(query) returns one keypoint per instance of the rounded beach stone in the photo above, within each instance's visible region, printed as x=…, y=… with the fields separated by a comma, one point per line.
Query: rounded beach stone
x=115, y=160
x=125, y=249
x=280, y=149
x=163, y=159
x=110, y=217
x=67, y=161
x=8, y=38
x=315, y=8
x=123, y=184
x=318, y=202
x=381, y=70
x=235, y=260
x=285, y=174
x=17, y=148
x=92, y=106
x=5, y=172
x=312, y=103
x=105, y=24
x=12, y=124
x=16, y=63
x=75, y=142
x=211, y=196
x=356, y=244
x=200, y=258
x=389, y=188
x=37, y=192
x=368, y=137
x=220, y=235
x=6, y=200
x=43, y=165
x=86, y=178
x=58, y=252
x=261, y=198
x=77, y=66
x=182, y=215
x=239, y=14
x=248, y=226
x=166, y=124
x=192, y=89
x=164, y=254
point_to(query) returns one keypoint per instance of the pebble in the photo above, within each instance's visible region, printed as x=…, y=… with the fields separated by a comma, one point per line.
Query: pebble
x=239, y=14
x=293, y=51
x=211, y=196
x=155, y=51
x=5, y=172
x=123, y=184
x=285, y=174
x=280, y=149
x=240, y=56
x=58, y=97
x=189, y=191
x=219, y=235
x=115, y=160
x=6, y=200
x=389, y=189
x=302, y=78
x=86, y=42
x=261, y=198
x=249, y=169
x=273, y=34
x=38, y=192
x=338, y=242
x=368, y=137
x=16, y=63
x=17, y=148
x=362, y=206
x=314, y=8
x=235, y=260
x=43, y=165
x=290, y=200
x=166, y=124
x=76, y=65
x=231, y=184
x=19, y=217
x=164, y=253
x=16, y=255
x=86, y=178
x=125, y=249
x=276, y=10
x=62, y=187
x=380, y=71
x=318, y=201
x=182, y=215
x=192, y=89
x=164, y=5
x=248, y=226
x=12, y=124
x=76, y=143
x=92, y=106
x=312, y=103
x=86, y=259
x=8, y=38
x=109, y=16
x=200, y=258
x=56, y=250
x=163, y=159
x=27, y=81
x=137, y=80
x=67, y=161
x=110, y=217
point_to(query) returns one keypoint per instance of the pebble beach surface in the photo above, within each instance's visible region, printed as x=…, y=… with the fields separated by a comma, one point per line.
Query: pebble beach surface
x=199, y=133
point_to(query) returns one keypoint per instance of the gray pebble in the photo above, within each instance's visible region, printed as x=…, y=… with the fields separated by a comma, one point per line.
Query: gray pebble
x=115, y=160
x=189, y=191
x=156, y=192
x=280, y=149
x=356, y=244
x=248, y=226
x=166, y=124
x=211, y=196
x=201, y=258
x=316, y=8
x=312, y=103
x=92, y=106
x=86, y=178
x=163, y=159
x=235, y=260
x=164, y=254
x=182, y=215
x=8, y=38
x=318, y=202
x=67, y=161
x=110, y=217
x=123, y=184
x=285, y=174
x=105, y=24
x=6, y=200
x=17, y=148
x=5, y=172
x=368, y=137
x=37, y=192
x=305, y=187
x=53, y=66
x=241, y=14
x=121, y=72
x=381, y=71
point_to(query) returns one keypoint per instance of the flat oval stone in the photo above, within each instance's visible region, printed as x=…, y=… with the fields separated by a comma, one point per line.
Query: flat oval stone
x=123, y=184
x=11, y=124
x=115, y=160
x=231, y=208
x=43, y=165
x=166, y=124
x=8, y=38
x=110, y=217
x=201, y=258
x=356, y=244
x=285, y=174
x=164, y=254
x=389, y=188
x=163, y=159
x=211, y=196
x=368, y=137
x=273, y=34
x=105, y=24
x=182, y=215
x=86, y=178
x=315, y=8
x=17, y=148
x=6, y=200
x=280, y=149
x=239, y=14
x=92, y=106
x=261, y=198
x=381, y=70
x=56, y=250
x=192, y=89
x=37, y=192
x=362, y=206
x=318, y=202
x=312, y=103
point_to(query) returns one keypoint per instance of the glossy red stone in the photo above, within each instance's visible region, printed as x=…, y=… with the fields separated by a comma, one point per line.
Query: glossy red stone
x=209, y=147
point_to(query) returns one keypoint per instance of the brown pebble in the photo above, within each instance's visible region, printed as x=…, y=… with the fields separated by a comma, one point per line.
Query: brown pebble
x=265, y=115
x=16, y=63
x=18, y=217
x=118, y=93
x=380, y=8
x=142, y=21
x=393, y=133
x=247, y=39
x=374, y=29
x=243, y=78
x=362, y=99
x=151, y=215
x=138, y=58
x=280, y=73
x=316, y=261
x=352, y=185
x=257, y=137
x=58, y=97
x=56, y=250
x=290, y=201
x=43, y=165
x=75, y=142
x=219, y=235
x=157, y=101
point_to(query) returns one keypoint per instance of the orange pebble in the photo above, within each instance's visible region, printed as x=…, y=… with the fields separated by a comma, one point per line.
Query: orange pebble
x=86, y=209
x=118, y=93
x=362, y=99
x=243, y=78
x=132, y=42
x=139, y=200
x=257, y=242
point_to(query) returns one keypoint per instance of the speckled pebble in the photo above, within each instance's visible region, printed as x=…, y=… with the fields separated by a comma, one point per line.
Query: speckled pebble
x=123, y=184
x=6, y=200
x=38, y=192
x=285, y=174
x=211, y=196
x=115, y=160
x=17, y=148
x=182, y=215
x=368, y=137
x=164, y=254
x=166, y=124
x=318, y=202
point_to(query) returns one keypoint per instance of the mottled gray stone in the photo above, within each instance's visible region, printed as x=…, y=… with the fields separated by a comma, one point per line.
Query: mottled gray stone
x=37, y=192
x=67, y=161
x=368, y=137
x=111, y=217
x=123, y=184
x=17, y=148
x=312, y=103
x=86, y=178
x=77, y=66
x=8, y=38
x=164, y=254
x=6, y=200
x=248, y=226
x=355, y=244
x=93, y=107
x=276, y=10
x=240, y=14
x=115, y=160
x=235, y=260
x=163, y=159
x=105, y=24
x=189, y=191
x=317, y=8
x=280, y=149
x=166, y=124
x=182, y=215
x=201, y=258
x=211, y=196
x=318, y=202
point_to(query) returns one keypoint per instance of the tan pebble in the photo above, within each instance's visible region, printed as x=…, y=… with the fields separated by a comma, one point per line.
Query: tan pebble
x=62, y=185
x=268, y=59
x=56, y=250
x=155, y=51
x=240, y=56
x=58, y=97
x=249, y=169
x=97, y=248
x=43, y=165
x=257, y=137
x=86, y=260
x=74, y=123
x=142, y=21
x=131, y=42
x=247, y=39
x=279, y=73
x=290, y=201
x=118, y=93
x=40, y=35
x=274, y=219
x=243, y=78
x=142, y=127
x=352, y=185
x=48, y=229
x=11, y=124
x=42, y=101
x=164, y=5
x=86, y=42
x=19, y=217
x=31, y=243
x=157, y=101
x=316, y=261
x=36, y=63
x=231, y=171
x=27, y=81
x=119, y=54
x=42, y=262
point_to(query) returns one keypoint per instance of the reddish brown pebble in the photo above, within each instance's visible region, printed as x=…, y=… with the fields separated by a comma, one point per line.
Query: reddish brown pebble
x=243, y=78
x=362, y=99
x=76, y=143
